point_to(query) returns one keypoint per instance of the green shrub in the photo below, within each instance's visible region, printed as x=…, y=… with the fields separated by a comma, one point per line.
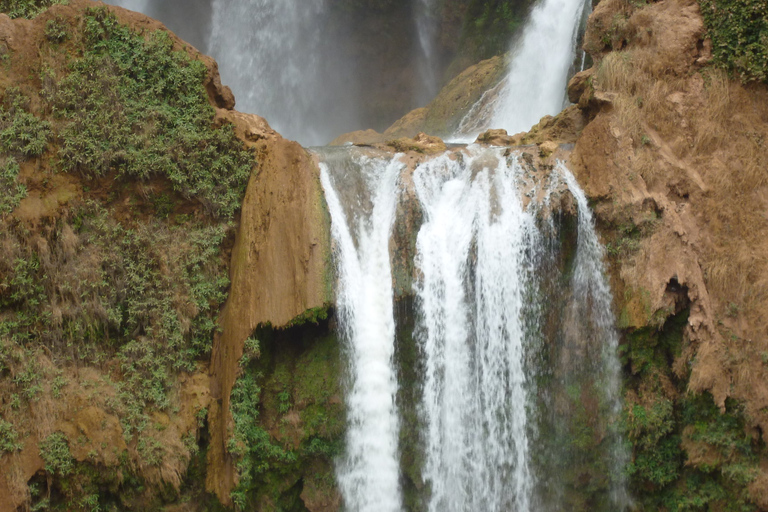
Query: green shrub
x=11, y=191
x=56, y=30
x=26, y=8
x=8, y=438
x=739, y=32
x=135, y=106
x=21, y=133
x=54, y=450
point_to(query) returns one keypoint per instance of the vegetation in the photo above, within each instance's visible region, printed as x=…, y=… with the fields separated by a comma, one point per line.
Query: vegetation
x=136, y=107
x=286, y=427
x=54, y=450
x=8, y=438
x=124, y=274
x=739, y=32
x=26, y=8
x=490, y=25
x=687, y=454
x=11, y=191
x=21, y=133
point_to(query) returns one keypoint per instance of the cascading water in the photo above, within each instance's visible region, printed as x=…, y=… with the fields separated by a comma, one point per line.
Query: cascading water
x=361, y=227
x=519, y=378
x=267, y=52
x=538, y=72
x=474, y=252
x=426, y=28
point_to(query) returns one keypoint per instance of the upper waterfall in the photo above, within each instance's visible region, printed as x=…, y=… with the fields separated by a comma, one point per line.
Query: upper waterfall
x=275, y=56
x=535, y=83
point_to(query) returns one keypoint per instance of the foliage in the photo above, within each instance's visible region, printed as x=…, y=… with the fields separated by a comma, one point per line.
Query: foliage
x=650, y=429
x=54, y=450
x=739, y=32
x=26, y=8
x=11, y=191
x=21, y=133
x=647, y=349
x=251, y=443
x=686, y=453
x=148, y=296
x=8, y=438
x=137, y=107
x=56, y=30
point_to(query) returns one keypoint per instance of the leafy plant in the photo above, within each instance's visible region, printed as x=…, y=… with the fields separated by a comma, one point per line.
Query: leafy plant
x=11, y=191
x=137, y=107
x=8, y=438
x=54, y=450
x=56, y=30
x=739, y=32
x=21, y=133
x=26, y=8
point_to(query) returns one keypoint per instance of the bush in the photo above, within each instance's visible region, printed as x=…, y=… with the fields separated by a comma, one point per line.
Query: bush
x=21, y=133
x=8, y=438
x=11, y=191
x=54, y=450
x=26, y=8
x=139, y=108
x=739, y=32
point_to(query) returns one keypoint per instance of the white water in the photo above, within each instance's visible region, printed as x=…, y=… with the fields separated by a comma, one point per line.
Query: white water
x=593, y=304
x=427, y=29
x=473, y=257
x=535, y=84
x=369, y=473
x=273, y=54
x=539, y=70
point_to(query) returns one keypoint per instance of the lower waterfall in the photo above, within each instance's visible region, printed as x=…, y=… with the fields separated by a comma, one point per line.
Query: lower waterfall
x=474, y=268
x=518, y=379
x=361, y=197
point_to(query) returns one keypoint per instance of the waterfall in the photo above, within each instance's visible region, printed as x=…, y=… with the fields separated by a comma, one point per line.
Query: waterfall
x=369, y=474
x=426, y=28
x=538, y=73
x=519, y=393
x=593, y=304
x=267, y=52
x=474, y=260
x=134, y=5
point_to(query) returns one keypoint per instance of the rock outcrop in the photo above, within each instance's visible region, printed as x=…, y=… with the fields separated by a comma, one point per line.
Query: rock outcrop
x=279, y=268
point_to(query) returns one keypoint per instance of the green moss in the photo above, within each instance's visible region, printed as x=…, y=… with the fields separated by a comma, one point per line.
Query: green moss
x=312, y=315
x=289, y=421
x=488, y=28
x=739, y=33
